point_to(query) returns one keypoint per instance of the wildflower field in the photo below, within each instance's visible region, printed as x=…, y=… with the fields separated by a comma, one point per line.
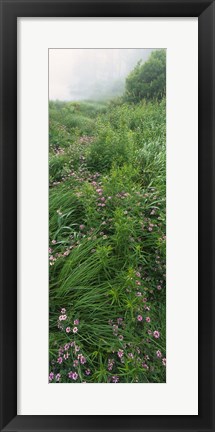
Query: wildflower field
x=107, y=251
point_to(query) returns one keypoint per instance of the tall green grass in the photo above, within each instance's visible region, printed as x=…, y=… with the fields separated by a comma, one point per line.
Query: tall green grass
x=107, y=242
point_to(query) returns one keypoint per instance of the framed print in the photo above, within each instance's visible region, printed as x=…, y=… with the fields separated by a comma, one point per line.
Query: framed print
x=107, y=119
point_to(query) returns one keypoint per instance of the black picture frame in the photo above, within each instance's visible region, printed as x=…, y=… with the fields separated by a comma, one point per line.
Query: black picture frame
x=10, y=11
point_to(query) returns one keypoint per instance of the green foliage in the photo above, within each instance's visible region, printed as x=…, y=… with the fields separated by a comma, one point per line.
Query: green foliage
x=107, y=242
x=147, y=80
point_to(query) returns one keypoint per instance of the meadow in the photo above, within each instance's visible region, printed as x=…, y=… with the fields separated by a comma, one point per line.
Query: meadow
x=107, y=250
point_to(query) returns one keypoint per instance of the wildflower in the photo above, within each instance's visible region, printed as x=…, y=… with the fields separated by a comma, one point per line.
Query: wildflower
x=66, y=346
x=120, y=353
x=110, y=364
x=75, y=363
x=138, y=282
x=115, y=379
x=149, y=228
x=87, y=371
x=158, y=354
x=145, y=366
x=73, y=375
x=83, y=360
x=75, y=330
x=82, y=227
x=130, y=355
x=156, y=334
x=121, y=337
x=57, y=377
x=159, y=287
x=76, y=322
x=62, y=317
x=68, y=329
x=59, y=360
x=51, y=376
x=148, y=319
x=119, y=320
x=138, y=274
x=138, y=294
x=139, y=318
x=66, y=356
x=164, y=361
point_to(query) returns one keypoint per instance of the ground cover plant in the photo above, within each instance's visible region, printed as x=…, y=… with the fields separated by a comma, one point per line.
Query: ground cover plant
x=107, y=251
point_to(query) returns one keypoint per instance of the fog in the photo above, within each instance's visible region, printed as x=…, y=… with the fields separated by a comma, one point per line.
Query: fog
x=77, y=74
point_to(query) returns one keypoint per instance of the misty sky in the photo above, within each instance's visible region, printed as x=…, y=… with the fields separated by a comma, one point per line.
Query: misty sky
x=76, y=74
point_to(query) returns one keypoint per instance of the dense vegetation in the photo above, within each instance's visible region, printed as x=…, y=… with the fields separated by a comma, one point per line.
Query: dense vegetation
x=107, y=241
x=148, y=80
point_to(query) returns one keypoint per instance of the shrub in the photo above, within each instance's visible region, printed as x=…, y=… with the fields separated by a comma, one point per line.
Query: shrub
x=147, y=80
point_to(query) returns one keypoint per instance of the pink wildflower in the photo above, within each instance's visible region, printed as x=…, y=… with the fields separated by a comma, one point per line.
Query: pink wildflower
x=58, y=376
x=148, y=319
x=73, y=375
x=156, y=334
x=68, y=329
x=120, y=353
x=76, y=322
x=158, y=354
x=139, y=318
x=115, y=379
x=51, y=376
x=59, y=360
x=164, y=361
x=66, y=356
x=75, y=330
x=145, y=366
x=130, y=355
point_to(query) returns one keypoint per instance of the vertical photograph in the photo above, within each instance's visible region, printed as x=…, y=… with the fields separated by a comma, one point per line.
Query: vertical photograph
x=107, y=216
